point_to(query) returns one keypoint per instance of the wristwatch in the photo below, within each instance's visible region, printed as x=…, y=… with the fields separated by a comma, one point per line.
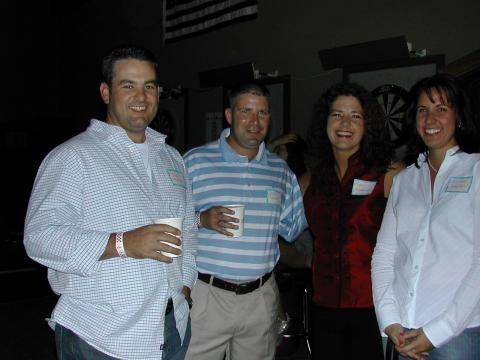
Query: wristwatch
x=189, y=302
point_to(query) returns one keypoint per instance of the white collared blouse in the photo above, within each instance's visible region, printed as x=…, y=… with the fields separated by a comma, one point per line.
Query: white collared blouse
x=426, y=264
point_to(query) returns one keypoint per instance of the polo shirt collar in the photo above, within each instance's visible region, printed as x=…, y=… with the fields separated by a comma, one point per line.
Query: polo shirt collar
x=230, y=155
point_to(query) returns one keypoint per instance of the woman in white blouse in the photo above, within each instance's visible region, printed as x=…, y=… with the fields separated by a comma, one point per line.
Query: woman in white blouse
x=426, y=264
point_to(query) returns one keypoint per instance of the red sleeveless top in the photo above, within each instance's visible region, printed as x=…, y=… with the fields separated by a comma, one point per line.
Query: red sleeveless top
x=344, y=219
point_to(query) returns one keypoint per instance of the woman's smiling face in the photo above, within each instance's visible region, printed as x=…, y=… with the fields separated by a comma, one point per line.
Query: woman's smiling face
x=436, y=121
x=346, y=124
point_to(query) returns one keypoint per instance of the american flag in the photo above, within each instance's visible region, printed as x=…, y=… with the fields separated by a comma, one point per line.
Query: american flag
x=185, y=18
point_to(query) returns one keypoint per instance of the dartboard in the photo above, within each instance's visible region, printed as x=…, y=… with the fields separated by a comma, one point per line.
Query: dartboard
x=394, y=101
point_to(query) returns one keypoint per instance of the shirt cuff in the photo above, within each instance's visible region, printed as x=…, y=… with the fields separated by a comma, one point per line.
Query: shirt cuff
x=437, y=332
x=189, y=277
x=386, y=317
x=197, y=219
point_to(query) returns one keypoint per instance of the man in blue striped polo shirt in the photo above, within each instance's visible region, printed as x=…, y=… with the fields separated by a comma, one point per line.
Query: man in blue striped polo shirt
x=236, y=297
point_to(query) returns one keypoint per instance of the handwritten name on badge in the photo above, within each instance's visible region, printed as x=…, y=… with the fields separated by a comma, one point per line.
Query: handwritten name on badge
x=274, y=197
x=363, y=187
x=460, y=184
x=177, y=178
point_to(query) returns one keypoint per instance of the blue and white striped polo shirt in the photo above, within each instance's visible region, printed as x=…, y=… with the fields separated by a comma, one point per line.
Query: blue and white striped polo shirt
x=273, y=206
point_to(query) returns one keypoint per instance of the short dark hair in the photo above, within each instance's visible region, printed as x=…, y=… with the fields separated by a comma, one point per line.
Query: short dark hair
x=125, y=52
x=248, y=88
x=453, y=93
x=375, y=147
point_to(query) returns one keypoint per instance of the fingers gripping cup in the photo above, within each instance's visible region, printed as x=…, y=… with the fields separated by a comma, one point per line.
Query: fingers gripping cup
x=176, y=223
x=239, y=210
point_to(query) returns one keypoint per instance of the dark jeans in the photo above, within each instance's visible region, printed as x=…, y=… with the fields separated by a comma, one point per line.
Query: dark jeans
x=173, y=349
x=345, y=334
x=71, y=347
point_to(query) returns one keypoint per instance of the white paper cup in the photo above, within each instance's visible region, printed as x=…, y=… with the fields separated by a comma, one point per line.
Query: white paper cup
x=176, y=222
x=239, y=210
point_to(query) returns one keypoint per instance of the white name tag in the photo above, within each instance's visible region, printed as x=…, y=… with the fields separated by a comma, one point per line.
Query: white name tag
x=362, y=187
x=460, y=184
x=176, y=177
x=274, y=197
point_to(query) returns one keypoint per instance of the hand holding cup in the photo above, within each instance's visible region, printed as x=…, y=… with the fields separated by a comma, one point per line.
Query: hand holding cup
x=177, y=223
x=226, y=220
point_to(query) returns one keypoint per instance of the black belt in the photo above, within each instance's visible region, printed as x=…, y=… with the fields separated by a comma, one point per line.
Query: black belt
x=239, y=289
x=169, y=307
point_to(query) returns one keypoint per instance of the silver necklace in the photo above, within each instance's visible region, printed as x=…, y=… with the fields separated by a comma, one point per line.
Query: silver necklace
x=431, y=166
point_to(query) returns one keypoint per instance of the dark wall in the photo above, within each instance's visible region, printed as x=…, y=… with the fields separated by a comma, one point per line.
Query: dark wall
x=88, y=30
x=61, y=43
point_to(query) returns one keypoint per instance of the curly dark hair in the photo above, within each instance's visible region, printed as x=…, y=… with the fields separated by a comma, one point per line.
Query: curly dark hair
x=375, y=148
x=452, y=92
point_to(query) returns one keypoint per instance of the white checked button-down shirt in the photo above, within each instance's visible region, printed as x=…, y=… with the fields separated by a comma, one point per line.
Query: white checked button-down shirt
x=426, y=264
x=91, y=186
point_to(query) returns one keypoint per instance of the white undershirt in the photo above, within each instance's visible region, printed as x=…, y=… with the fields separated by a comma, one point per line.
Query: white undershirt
x=143, y=149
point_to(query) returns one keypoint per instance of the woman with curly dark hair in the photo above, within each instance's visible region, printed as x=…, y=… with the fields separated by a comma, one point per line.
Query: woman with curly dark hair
x=350, y=174
x=426, y=264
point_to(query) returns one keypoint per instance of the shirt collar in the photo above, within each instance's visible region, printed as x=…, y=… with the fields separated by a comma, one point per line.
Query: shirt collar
x=454, y=150
x=114, y=132
x=450, y=152
x=230, y=155
x=354, y=159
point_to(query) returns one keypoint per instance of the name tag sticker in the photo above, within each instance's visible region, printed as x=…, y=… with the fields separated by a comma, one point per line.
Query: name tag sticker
x=363, y=187
x=176, y=177
x=274, y=197
x=460, y=184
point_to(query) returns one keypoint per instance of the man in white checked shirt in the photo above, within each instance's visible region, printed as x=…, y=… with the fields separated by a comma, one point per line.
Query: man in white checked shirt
x=90, y=221
x=236, y=297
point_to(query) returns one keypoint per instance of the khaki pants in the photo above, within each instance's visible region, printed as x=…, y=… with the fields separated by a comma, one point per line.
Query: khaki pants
x=241, y=326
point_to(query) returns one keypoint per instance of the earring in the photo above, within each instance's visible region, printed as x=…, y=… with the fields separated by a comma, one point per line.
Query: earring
x=459, y=123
